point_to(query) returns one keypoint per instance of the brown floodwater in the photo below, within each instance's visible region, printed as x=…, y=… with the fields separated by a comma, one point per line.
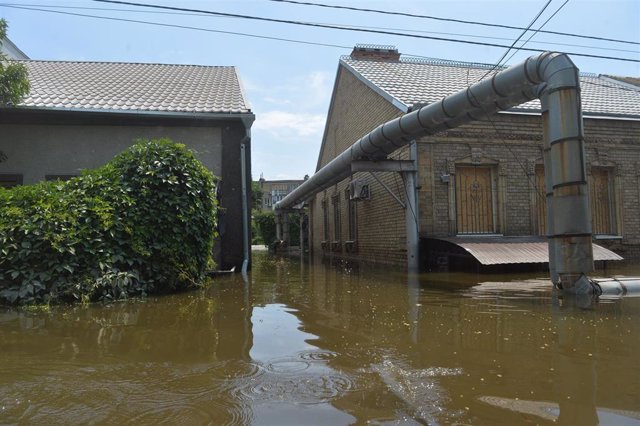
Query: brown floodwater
x=309, y=343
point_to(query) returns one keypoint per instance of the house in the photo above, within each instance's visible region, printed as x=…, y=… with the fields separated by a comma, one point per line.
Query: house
x=275, y=190
x=10, y=50
x=79, y=115
x=479, y=187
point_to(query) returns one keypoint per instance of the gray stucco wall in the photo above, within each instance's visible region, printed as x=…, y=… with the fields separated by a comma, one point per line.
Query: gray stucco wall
x=38, y=150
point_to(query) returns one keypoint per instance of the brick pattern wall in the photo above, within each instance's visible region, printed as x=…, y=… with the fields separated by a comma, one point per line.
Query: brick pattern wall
x=510, y=144
x=381, y=237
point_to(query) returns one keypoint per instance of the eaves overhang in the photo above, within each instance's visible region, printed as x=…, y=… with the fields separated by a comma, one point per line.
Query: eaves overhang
x=246, y=117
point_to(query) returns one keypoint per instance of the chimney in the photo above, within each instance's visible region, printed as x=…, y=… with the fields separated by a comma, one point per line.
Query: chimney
x=370, y=52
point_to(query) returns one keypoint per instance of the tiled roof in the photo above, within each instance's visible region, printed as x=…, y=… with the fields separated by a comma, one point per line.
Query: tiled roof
x=128, y=87
x=417, y=81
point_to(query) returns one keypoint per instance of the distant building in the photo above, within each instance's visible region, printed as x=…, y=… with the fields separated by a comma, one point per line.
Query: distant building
x=11, y=51
x=79, y=115
x=275, y=190
x=482, y=182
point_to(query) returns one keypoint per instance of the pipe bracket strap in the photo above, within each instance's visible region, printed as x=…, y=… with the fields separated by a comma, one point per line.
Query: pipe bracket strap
x=444, y=111
x=495, y=88
x=471, y=98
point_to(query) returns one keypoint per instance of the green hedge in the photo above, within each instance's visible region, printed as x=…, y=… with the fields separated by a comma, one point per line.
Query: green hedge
x=143, y=223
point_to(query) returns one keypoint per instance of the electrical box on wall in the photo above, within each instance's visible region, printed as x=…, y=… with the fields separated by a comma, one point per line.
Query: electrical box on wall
x=359, y=190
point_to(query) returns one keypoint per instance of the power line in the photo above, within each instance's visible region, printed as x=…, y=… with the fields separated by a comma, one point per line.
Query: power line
x=539, y=28
x=342, y=28
x=460, y=21
x=495, y=128
x=504, y=55
x=106, y=9
x=186, y=27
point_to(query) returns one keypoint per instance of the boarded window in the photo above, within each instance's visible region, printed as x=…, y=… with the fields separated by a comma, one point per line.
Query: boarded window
x=602, y=201
x=337, y=219
x=9, y=181
x=474, y=200
x=325, y=221
x=353, y=220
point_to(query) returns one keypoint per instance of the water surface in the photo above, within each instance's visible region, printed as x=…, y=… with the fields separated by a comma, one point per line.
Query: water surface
x=299, y=343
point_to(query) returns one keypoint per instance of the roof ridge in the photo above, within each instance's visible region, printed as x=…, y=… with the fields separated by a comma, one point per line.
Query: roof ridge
x=415, y=59
x=123, y=63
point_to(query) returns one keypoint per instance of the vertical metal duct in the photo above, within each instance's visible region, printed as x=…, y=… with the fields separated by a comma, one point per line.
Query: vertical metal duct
x=554, y=79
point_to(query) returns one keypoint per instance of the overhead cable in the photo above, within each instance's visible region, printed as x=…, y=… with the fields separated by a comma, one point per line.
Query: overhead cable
x=460, y=21
x=408, y=30
x=504, y=55
x=186, y=27
x=342, y=28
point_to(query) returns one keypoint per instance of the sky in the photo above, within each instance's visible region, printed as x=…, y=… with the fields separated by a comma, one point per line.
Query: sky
x=289, y=84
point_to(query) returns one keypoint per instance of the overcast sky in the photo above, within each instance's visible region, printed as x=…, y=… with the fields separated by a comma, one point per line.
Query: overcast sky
x=289, y=84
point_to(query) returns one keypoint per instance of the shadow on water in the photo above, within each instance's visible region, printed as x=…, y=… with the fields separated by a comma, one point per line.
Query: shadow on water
x=309, y=343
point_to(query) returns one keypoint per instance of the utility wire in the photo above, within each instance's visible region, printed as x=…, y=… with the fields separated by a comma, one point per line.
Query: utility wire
x=186, y=27
x=504, y=55
x=337, y=27
x=107, y=9
x=488, y=117
x=539, y=28
x=460, y=21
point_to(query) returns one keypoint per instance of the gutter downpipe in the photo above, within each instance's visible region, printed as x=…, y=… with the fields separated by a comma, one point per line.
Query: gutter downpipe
x=245, y=211
x=550, y=76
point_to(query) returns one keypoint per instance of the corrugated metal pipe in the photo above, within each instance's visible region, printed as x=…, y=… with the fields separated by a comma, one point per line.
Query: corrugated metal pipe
x=551, y=77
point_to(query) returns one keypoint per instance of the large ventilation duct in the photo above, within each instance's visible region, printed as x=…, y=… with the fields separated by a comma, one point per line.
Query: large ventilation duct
x=551, y=77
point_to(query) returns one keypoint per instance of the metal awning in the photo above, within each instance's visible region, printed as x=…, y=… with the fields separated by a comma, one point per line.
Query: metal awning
x=499, y=250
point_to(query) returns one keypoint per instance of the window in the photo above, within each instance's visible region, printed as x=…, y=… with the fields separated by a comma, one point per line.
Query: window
x=325, y=221
x=353, y=220
x=59, y=177
x=337, y=219
x=601, y=192
x=9, y=181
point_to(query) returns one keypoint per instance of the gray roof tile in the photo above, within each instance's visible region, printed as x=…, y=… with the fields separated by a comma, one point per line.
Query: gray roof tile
x=417, y=81
x=116, y=86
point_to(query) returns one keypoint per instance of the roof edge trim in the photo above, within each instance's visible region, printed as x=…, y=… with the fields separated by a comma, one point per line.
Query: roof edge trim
x=394, y=101
x=176, y=114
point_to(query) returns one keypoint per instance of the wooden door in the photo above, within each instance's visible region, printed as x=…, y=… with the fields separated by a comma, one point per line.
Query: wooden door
x=474, y=200
x=601, y=201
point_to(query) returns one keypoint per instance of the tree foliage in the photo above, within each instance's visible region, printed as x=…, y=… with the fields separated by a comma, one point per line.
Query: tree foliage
x=256, y=196
x=265, y=227
x=143, y=223
x=14, y=78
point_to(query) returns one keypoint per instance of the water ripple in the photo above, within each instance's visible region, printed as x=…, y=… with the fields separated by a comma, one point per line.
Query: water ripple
x=301, y=389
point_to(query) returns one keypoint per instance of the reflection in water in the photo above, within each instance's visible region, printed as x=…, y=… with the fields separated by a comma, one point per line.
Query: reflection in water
x=302, y=343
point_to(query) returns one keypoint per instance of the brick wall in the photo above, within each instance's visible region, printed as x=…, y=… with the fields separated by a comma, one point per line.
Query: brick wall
x=509, y=144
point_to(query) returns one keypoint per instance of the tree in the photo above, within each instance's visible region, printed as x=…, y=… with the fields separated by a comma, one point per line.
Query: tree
x=256, y=196
x=14, y=79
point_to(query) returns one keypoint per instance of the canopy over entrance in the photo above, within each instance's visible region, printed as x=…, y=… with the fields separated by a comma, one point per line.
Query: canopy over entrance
x=499, y=250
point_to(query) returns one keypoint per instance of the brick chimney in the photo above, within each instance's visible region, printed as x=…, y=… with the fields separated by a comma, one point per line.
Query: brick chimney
x=372, y=52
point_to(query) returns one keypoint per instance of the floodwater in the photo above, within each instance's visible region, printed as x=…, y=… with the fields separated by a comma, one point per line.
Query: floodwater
x=317, y=344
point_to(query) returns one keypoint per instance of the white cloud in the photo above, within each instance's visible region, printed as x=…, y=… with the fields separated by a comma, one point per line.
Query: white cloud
x=288, y=125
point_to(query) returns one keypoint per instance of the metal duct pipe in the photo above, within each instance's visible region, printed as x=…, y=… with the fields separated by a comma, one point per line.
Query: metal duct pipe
x=550, y=76
x=619, y=286
x=511, y=87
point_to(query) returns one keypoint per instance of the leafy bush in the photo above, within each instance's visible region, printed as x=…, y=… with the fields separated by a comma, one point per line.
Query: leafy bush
x=145, y=222
x=264, y=228
x=265, y=225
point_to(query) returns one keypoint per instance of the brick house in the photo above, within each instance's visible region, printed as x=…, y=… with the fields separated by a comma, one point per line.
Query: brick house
x=79, y=115
x=479, y=186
